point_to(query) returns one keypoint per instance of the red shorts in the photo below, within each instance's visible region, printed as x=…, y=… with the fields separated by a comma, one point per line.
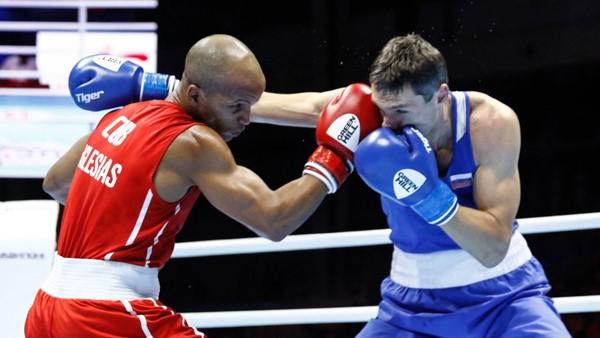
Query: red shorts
x=64, y=318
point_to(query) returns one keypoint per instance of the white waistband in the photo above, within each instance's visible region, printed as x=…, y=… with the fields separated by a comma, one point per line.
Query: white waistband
x=453, y=268
x=100, y=280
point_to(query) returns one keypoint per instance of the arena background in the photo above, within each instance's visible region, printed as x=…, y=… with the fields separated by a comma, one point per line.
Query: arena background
x=542, y=58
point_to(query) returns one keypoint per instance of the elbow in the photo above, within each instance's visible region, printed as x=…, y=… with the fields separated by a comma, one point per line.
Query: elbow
x=276, y=237
x=268, y=228
x=272, y=223
x=50, y=185
x=272, y=233
x=55, y=188
x=492, y=260
x=496, y=253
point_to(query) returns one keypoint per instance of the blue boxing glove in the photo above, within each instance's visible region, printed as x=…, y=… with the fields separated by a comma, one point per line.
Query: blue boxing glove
x=404, y=168
x=103, y=81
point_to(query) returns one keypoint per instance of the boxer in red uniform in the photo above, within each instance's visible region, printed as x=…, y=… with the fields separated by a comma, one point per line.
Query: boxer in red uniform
x=129, y=186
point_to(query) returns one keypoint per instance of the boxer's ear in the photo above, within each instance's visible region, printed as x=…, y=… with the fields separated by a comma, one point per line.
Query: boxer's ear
x=442, y=92
x=194, y=93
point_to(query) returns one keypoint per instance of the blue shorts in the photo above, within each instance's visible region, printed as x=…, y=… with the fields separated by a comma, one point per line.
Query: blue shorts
x=511, y=305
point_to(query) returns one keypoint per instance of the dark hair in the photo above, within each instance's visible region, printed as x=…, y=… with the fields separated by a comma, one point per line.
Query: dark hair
x=409, y=59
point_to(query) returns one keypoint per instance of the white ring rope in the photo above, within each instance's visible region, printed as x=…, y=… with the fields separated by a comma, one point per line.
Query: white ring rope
x=35, y=26
x=336, y=315
x=361, y=238
x=80, y=3
x=357, y=314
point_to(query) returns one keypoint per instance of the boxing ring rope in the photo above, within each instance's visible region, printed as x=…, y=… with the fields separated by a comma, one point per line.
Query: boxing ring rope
x=564, y=305
x=80, y=3
x=361, y=238
x=337, y=315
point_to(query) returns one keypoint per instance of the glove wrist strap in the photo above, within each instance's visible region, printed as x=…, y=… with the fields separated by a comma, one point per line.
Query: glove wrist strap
x=154, y=86
x=328, y=167
x=322, y=176
x=439, y=206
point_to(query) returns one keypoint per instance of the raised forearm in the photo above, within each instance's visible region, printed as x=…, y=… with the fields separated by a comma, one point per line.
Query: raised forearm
x=272, y=214
x=294, y=203
x=481, y=234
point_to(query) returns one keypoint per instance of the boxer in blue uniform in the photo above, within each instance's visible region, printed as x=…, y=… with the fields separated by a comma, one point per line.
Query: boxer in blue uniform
x=445, y=164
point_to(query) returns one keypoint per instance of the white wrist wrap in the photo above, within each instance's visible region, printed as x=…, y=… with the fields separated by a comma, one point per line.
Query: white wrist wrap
x=322, y=174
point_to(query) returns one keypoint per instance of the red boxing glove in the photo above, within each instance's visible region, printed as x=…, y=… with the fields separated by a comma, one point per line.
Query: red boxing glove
x=344, y=122
x=347, y=119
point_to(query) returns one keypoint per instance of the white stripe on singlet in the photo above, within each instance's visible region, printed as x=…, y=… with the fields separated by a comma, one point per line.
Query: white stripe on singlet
x=140, y=219
x=138, y=223
x=157, y=237
x=461, y=114
x=149, y=250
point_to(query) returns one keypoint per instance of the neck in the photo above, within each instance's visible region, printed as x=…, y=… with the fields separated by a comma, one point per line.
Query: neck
x=177, y=97
x=174, y=97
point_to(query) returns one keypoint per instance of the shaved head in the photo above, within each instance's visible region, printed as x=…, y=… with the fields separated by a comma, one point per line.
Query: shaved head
x=221, y=81
x=220, y=62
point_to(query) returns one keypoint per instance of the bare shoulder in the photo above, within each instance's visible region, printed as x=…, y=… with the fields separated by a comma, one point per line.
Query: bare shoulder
x=197, y=148
x=495, y=128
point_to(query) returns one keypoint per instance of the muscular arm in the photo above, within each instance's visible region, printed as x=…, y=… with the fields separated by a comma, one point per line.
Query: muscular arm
x=295, y=110
x=240, y=193
x=58, y=178
x=485, y=232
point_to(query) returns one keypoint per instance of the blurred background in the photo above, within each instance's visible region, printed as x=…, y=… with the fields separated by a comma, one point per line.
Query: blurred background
x=542, y=58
